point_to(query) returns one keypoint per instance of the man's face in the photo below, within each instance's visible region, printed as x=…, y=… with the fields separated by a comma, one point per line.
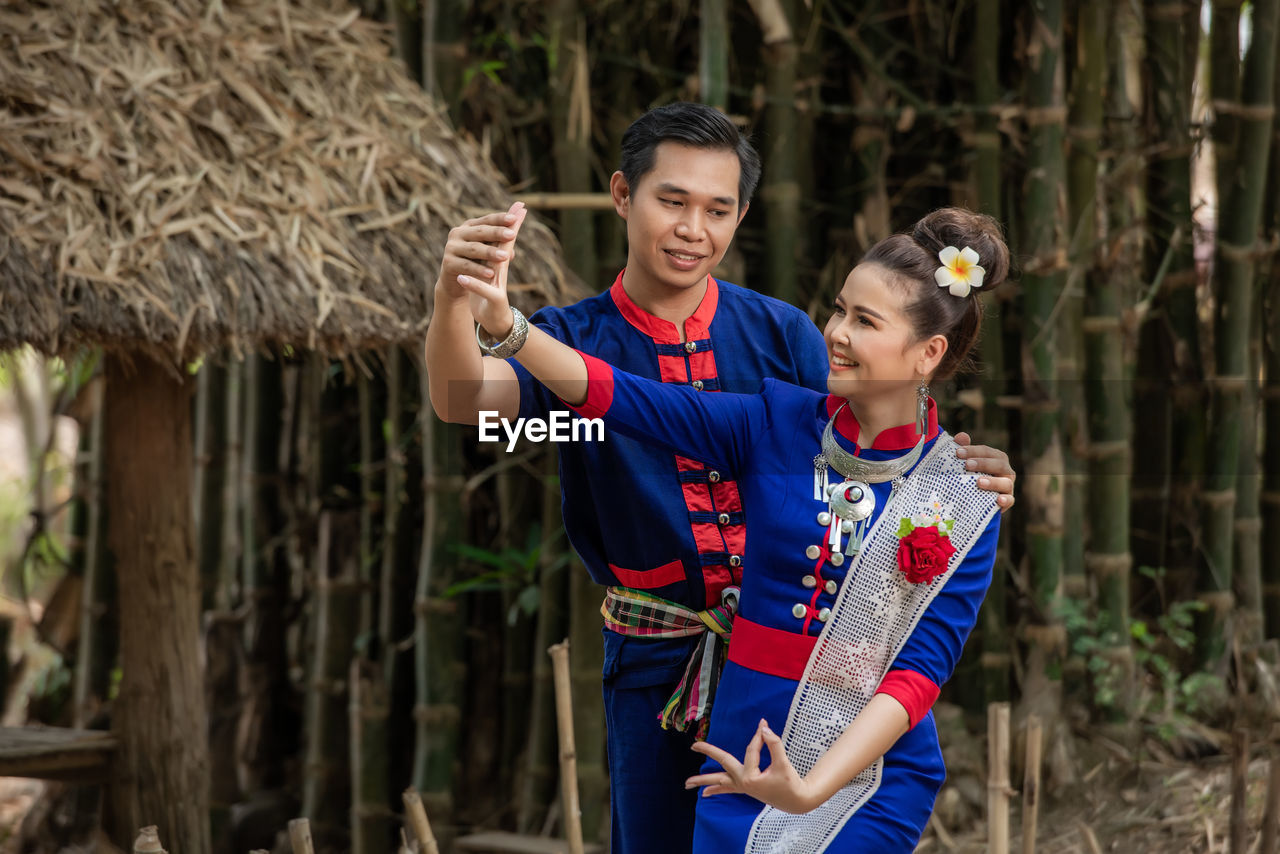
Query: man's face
x=681, y=217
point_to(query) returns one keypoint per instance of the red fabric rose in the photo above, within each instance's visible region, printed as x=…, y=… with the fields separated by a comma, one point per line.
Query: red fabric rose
x=923, y=554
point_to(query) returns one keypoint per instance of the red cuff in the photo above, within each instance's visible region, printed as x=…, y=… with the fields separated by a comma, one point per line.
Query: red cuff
x=599, y=388
x=916, y=693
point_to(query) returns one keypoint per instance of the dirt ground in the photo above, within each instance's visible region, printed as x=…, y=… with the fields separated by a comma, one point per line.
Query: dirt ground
x=1136, y=799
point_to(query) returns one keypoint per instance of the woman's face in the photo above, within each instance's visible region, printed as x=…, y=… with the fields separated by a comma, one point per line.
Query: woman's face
x=871, y=347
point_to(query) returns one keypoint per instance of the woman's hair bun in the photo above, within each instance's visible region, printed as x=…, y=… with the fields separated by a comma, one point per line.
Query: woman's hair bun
x=960, y=228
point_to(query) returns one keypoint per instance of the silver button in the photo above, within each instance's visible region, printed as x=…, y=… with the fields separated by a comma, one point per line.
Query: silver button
x=798, y=610
x=846, y=527
x=714, y=477
x=812, y=552
x=824, y=518
x=836, y=558
x=723, y=518
x=809, y=581
x=690, y=346
x=697, y=385
x=830, y=587
x=824, y=615
x=735, y=560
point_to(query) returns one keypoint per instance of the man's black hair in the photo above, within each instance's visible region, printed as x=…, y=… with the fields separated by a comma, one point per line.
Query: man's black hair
x=686, y=123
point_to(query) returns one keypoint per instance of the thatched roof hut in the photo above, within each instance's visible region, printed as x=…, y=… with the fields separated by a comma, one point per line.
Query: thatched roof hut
x=180, y=175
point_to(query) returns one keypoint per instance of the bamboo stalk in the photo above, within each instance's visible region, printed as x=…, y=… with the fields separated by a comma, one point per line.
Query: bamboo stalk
x=1084, y=133
x=588, y=701
x=444, y=50
x=1042, y=285
x=393, y=486
x=781, y=190
x=210, y=474
x=1031, y=785
x=317, y=715
x=300, y=836
x=536, y=792
x=226, y=594
x=1239, y=791
x=998, y=778
x=1245, y=136
x=993, y=424
x=367, y=417
x=568, y=753
x=1270, y=394
x=88, y=648
x=1247, y=550
x=775, y=22
x=417, y=816
x=713, y=53
x=436, y=668
x=369, y=761
x=260, y=757
x=1107, y=362
x=247, y=475
x=567, y=201
x=406, y=22
x=870, y=141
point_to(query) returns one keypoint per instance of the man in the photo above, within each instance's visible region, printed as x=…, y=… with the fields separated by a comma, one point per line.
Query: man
x=641, y=518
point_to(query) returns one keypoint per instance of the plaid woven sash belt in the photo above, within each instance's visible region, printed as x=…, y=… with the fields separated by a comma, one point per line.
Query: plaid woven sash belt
x=638, y=614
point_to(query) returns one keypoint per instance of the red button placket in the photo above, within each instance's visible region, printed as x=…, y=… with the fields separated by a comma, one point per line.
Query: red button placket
x=811, y=611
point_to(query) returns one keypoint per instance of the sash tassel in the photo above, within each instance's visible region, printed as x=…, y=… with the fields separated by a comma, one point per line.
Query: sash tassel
x=639, y=614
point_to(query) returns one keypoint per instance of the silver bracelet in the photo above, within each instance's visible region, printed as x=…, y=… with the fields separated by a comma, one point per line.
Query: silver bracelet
x=510, y=345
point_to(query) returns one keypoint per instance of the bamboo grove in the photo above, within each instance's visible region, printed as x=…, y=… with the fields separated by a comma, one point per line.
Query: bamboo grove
x=379, y=590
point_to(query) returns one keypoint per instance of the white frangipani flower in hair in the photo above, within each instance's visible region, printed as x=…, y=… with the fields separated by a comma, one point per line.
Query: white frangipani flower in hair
x=959, y=271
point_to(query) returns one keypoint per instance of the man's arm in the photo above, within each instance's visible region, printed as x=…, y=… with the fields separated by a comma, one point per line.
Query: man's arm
x=464, y=382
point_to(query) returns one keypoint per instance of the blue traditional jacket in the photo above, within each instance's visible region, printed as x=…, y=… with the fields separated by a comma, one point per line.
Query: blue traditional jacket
x=642, y=516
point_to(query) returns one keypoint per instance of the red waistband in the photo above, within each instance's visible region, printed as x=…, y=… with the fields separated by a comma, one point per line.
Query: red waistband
x=772, y=651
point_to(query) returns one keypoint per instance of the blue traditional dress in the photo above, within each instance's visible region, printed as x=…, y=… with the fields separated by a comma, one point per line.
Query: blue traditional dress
x=819, y=633
x=664, y=523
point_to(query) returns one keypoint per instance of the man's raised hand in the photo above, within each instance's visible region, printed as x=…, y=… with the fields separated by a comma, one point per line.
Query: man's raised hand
x=487, y=294
x=477, y=248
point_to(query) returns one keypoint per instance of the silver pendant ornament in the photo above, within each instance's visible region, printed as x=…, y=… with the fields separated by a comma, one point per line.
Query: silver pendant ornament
x=852, y=502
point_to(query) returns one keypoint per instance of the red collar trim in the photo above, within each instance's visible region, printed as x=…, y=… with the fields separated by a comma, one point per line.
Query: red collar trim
x=698, y=325
x=898, y=438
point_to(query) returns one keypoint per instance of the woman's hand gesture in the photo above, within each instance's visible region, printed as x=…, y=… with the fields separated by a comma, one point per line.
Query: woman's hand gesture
x=779, y=785
x=488, y=299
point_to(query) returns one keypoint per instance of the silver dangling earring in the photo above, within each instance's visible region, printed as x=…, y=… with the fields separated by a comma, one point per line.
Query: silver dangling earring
x=922, y=408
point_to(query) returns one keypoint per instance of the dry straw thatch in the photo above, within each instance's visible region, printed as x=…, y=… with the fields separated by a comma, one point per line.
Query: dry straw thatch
x=181, y=175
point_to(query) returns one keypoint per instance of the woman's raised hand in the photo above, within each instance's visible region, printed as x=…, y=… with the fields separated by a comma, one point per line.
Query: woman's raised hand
x=779, y=785
x=487, y=299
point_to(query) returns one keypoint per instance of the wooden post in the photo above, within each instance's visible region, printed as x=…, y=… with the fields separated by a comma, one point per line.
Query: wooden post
x=148, y=841
x=1031, y=785
x=568, y=755
x=417, y=816
x=160, y=772
x=1239, y=791
x=998, y=778
x=300, y=836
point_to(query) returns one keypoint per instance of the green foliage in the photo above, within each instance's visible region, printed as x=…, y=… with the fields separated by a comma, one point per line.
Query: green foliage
x=489, y=68
x=1165, y=694
x=511, y=569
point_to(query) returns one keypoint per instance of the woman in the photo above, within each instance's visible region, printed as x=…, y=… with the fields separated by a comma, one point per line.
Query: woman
x=868, y=562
